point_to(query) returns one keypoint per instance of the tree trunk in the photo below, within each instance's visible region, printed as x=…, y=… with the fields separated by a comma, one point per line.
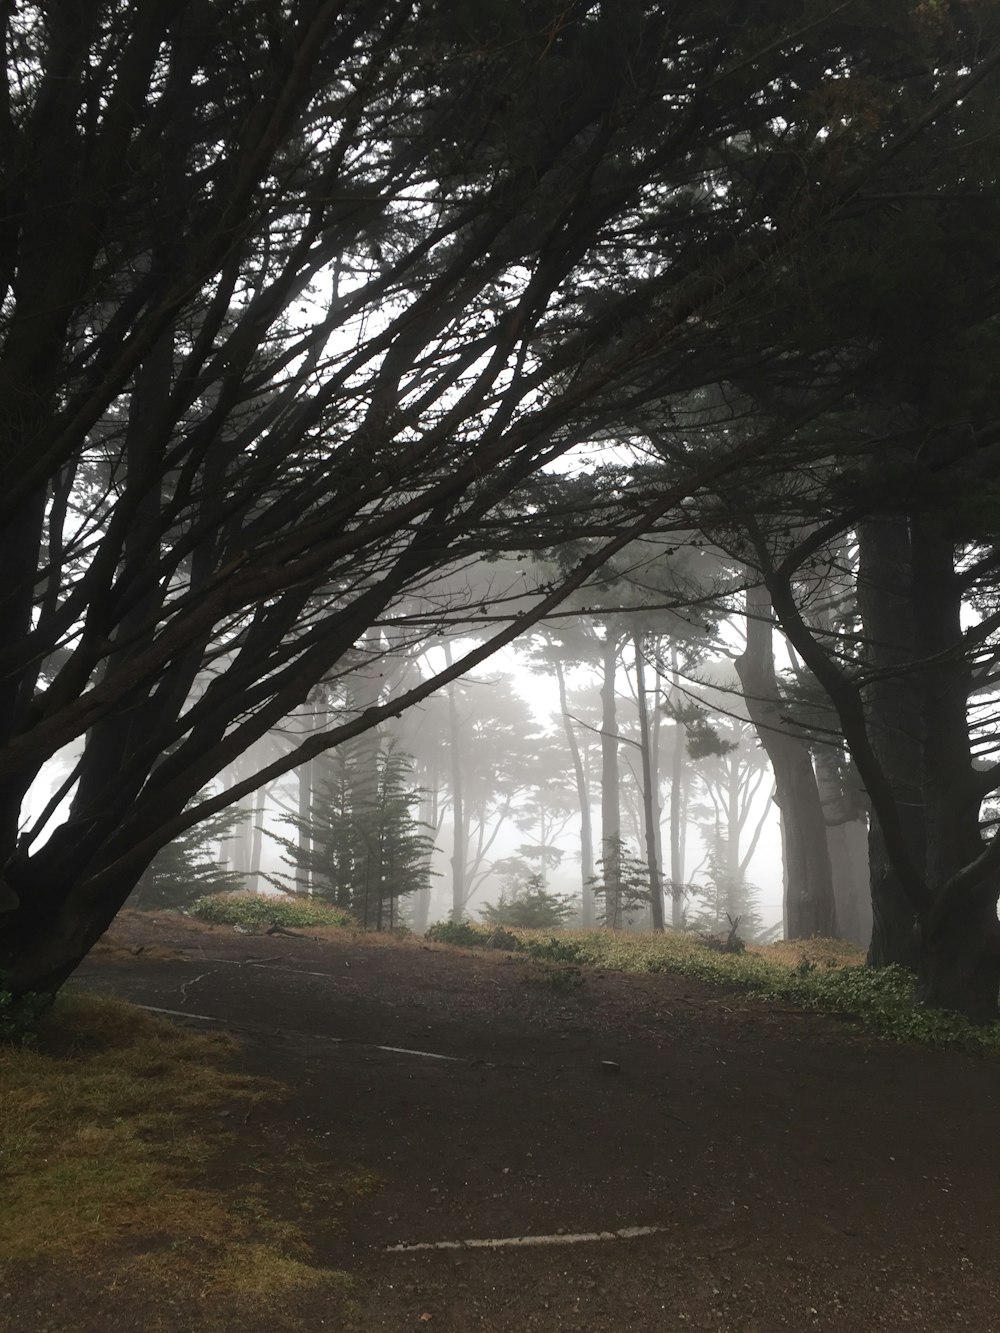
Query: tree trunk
x=611, y=822
x=303, y=879
x=364, y=690
x=848, y=844
x=678, y=803
x=242, y=838
x=934, y=878
x=257, y=839
x=649, y=817
x=809, y=901
x=52, y=934
x=847, y=840
x=895, y=727
x=583, y=796
x=460, y=834
x=959, y=934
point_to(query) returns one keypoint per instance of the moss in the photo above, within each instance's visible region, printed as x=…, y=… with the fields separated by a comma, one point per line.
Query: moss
x=102, y=1140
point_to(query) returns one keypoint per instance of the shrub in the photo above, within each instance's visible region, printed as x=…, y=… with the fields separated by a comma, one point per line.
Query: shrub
x=464, y=934
x=230, y=909
x=552, y=950
x=531, y=906
x=826, y=975
x=20, y=1016
x=502, y=939
x=561, y=978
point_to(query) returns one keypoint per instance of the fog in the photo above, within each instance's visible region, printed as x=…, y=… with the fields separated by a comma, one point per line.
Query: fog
x=497, y=797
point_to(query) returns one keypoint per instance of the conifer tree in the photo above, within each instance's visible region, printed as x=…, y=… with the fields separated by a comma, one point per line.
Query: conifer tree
x=363, y=858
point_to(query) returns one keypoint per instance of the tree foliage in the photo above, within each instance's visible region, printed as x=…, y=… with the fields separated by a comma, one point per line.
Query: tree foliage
x=297, y=302
x=532, y=906
x=364, y=857
x=188, y=867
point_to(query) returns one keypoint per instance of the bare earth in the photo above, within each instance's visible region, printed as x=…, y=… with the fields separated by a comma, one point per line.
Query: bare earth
x=798, y=1175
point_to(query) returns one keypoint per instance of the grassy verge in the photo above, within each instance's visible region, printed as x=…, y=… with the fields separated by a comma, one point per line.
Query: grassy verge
x=107, y=1123
x=826, y=975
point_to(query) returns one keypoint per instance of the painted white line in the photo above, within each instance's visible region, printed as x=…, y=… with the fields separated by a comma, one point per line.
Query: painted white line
x=293, y=1032
x=510, y=1242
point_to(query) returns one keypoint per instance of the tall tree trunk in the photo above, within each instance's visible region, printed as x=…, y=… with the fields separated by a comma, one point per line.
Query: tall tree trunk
x=460, y=832
x=916, y=703
x=678, y=803
x=895, y=727
x=257, y=838
x=611, y=821
x=847, y=840
x=420, y=901
x=809, y=903
x=959, y=933
x=303, y=879
x=364, y=689
x=242, y=837
x=583, y=797
x=649, y=814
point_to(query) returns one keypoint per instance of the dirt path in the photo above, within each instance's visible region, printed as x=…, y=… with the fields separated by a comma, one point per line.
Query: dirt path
x=791, y=1174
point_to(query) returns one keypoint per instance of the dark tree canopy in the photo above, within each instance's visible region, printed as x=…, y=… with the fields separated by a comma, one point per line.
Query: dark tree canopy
x=297, y=299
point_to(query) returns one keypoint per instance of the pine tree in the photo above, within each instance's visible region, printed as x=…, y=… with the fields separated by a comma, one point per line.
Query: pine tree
x=363, y=859
x=530, y=905
x=633, y=888
x=186, y=869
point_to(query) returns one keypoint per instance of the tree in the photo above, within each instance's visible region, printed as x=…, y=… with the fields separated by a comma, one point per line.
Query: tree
x=810, y=908
x=479, y=748
x=628, y=897
x=185, y=869
x=296, y=300
x=530, y=906
x=365, y=856
x=904, y=468
x=730, y=772
x=554, y=651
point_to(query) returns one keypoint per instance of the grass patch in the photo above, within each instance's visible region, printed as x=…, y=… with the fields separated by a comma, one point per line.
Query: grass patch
x=106, y=1124
x=234, y=909
x=826, y=975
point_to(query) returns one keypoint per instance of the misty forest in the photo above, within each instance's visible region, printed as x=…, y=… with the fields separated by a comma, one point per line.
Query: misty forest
x=487, y=467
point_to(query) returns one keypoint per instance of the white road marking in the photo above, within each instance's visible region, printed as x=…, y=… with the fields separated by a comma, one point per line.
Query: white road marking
x=293, y=1032
x=509, y=1242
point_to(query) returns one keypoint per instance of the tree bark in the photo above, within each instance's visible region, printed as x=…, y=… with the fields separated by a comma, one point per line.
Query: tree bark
x=959, y=935
x=257, y=839
x=678, y=802
x=364, y=688
x=583, y=796
x=809, y=902
x=611, y=823
x=303, y=879
x=649, y=816
x=459, y=845
x=935, y=891
x=893, y=710
x=847, y=841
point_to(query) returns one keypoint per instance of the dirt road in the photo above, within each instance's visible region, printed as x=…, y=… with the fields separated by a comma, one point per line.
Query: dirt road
x=741, y=1168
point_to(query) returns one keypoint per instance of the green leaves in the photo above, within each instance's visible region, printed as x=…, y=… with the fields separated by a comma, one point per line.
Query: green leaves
x=230, y=909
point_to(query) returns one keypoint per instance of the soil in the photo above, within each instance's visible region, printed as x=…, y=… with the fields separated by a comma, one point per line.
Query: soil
x=793, y=1173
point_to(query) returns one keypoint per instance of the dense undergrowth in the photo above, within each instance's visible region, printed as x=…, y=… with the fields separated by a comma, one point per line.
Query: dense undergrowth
x=826, y=975
x=107, y=1121
x=237, y=909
